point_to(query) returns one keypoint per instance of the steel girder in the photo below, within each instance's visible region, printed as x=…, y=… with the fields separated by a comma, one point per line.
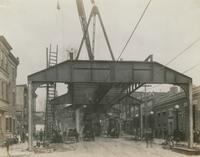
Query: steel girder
x=109, y=72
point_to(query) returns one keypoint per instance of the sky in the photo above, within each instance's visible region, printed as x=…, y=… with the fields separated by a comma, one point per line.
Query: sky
x=167, y=28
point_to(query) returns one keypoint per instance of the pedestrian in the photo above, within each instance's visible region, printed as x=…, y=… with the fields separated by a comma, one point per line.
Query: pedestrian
x=76, y=135
x=7, y=146
x=171, y=142
x=147, y=139
x=41, y=135
x=151, y=139
x=19, y=138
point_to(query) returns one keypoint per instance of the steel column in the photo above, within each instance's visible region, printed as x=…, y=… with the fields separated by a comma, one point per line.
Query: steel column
x=30, y=121
x=190, y=116
x=141, y=121
x=77, y=114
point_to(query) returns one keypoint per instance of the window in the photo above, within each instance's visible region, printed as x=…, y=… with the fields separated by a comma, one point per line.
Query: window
x=13, y=74
x=170, y=113
x=7, y=124
x=0, y=58
x=6, y=63
x=3, y=60
x=164, y=113
x=0, y=124
x=3, y=90
x=14, y=98
x=0, y=89
x=10, y=119
x=13, y=125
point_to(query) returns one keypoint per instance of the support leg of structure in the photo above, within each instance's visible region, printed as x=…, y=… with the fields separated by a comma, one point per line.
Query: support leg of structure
x=30, y=140
x=77, y=114
x=141, y=122
x=190, y=116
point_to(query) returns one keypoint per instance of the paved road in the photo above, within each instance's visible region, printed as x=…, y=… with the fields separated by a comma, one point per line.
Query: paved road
x=105, y=147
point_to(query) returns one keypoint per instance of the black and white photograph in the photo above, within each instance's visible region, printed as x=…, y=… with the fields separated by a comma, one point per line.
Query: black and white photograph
x=99, y=78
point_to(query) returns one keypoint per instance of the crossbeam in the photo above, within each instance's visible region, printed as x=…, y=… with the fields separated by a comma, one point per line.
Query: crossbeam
x=109, y=72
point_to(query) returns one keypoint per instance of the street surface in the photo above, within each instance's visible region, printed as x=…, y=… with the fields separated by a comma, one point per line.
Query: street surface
x=102, y=147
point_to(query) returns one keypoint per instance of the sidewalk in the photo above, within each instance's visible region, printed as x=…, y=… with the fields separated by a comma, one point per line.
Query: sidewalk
x=15, y=150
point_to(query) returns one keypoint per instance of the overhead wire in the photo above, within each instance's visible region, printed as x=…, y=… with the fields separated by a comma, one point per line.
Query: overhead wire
x=183, y=51
x=132, y=33
x=191, y=68
x=178, y=55
x=134, y=30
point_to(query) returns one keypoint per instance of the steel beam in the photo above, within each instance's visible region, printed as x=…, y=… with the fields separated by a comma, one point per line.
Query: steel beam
x=63, y=99
x=109, y=72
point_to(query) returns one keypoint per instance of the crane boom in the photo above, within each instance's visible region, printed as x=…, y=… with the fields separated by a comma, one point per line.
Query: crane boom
x=83, y=21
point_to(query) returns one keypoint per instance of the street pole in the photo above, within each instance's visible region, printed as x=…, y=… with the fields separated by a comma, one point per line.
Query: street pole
x=177, y=126
x=152, y=122
x=145, y=106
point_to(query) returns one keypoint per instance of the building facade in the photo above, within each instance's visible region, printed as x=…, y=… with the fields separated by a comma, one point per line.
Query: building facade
x=22, y=109
x=171, y=114
x=8, y=74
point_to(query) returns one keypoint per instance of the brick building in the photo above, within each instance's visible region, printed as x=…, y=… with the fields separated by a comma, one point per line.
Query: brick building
x=8, y=74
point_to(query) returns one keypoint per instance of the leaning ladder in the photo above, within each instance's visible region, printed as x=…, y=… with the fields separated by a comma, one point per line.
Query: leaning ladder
x=52, y=59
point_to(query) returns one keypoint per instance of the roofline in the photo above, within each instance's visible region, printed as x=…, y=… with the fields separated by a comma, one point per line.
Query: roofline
x=5, y=42
x=14, y=59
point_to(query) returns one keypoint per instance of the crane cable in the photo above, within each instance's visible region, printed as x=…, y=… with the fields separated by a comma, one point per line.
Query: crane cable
x=135, y=28
x=94, y=29
x=60, y=19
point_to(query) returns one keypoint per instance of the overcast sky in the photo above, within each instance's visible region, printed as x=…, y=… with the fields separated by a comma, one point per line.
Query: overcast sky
x=167, y=28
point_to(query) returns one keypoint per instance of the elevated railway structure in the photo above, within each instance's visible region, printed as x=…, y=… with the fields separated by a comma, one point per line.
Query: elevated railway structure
x=100, y=84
